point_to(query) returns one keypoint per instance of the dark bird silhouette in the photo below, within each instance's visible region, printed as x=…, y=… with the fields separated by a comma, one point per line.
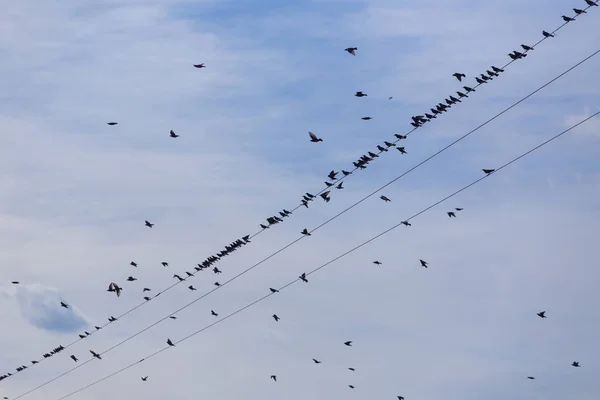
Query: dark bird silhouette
x=303, y=277
x=316, y=361
x=527, y=48
x=274, y=290
x=63, y=305
x=165, y=264
x=274, y=377
x=406, y=223
x=366, y=118
x=458, y=209
x=131, y=279
x=173, y=134
x=213, y=313
x=173, y=317
x=567, y=19
x=146, y=289
x=96, y=354
x=74, y=358
x=348, y=343
x=133, y=264
x=81, y=336
x=542, y=314
x=276, y=318
x=351, y=369
x=401, y=150
x=170, y=343
x=15, y=282
x=332, y=175
x=575, y=364
x=147, y=298
x=305, y=232
x=351, y=50
x=423, y=263
x=148, y=224
x=579, y=12
x=113, y=287
x=191, y=287
x=530, y=377
x=451, y=214
x=144, y=378
x=384, y=198
x=488, y=171
x=400, y=397
x=459, y=76
x=360, y=94
x=351, y=387
x=346, y=173
x=217, y=284
x=469, y=89
x=112, y=319
x=591, y=3
x=547, y=34
x=480, y=81
x=111, y=123
x=200, y=65
x=340, y=185
x=377, y=262
x=178, y=277
x=325, y=196
x=496, y=69
x=314, y=138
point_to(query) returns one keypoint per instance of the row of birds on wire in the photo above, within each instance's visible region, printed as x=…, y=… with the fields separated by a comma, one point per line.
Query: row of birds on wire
x=361, y=163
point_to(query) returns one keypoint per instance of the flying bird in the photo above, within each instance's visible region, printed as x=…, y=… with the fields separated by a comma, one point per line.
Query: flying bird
x=348, y=343
x=64, y=305
x=360, y=94
x=377, y=262
x=133, y=264
x=423, y=263
x=213, y=313
x=200, y=65
x=173, y=317
x=459, y=76
x=15, y=282
x=351, y=50
x=451, y=214
x=384, y=198
x=542, y=314
x=173, y=134
x=351, y=369
x=351, y=387
x=96, y=354
x=113, y=287
x=74, y=358
x=144, y=378
x=131, y=279
x=366, y=118
x=191, y=287
x=314, y=138
x=530, y=377
x=316, y=361
x=575, y=364
x=165, y=264
x=111, y=123
x=148, y=224
x=274, y=377
x=276, y=318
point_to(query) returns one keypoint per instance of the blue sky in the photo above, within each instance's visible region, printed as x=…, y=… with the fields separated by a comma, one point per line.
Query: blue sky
x=74, y=194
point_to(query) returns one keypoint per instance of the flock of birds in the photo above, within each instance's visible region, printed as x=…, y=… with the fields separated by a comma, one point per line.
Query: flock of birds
x=334, y=181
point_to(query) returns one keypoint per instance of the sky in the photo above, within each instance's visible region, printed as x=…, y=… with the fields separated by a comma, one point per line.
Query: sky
x=74, y=194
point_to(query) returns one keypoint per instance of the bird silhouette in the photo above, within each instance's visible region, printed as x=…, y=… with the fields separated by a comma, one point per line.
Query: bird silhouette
x=178, y=277
x=366, y=118
x=133, y=264
x=348, y=343
x=146, y=289
x=360, y=94
x=305, y=232
x=274, y=290
x=113, y=287
x=303, y=277
x=351, y=50
x=575, y=364
x=74, y=358
x=131, y=279
x=314, y=138
x=148, y=224
x=64, y=305
x=488, y=171
x=351, y=387
x=591, y=3
x=276, y=318
x=423, y=263
x=316, y=361
x=173, y=134
x=96, y=354
x=531, y=377
x=144, y=378
x=214, y=313
x=170, y=343
x=200, y=65
x=351, y=369
x=579, y=11
x=377, y=262
x=274, y=377
x=459, y=76
x=451, y=214
x=191, y=287
x=547, y=34
x=173, y=317
x=384, y=198
x=567, y=19
x=111, y=123
x=542, y=314
x=15, y=282
x=165, y=264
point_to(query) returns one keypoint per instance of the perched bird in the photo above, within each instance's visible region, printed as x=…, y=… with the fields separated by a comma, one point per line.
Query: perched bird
x=147, y=298
x=459, y=76
x=351, y=50
x=305, y=232
x=527, y=48
x=384, y=198
x=579, y=12
x=276, y=318
x=348, y=343
x=591, y=3
x=547, y=35
x=303, y=277
x=200, y=65
x=488, y=171
x=191, y=287
x=74, y=358
x=406, y=223
x=496, y=69
x=451, y=214
x=575, y=364
x=423, y=263
x=144, y=378
x=96, y=354
x=274, y=377
x=217, y=284
x=316, y=361
x=314, y=138
x=148, y=224
x=274, y=290
x=173, y=134
x=366, y=118
x=111, y=319
x=360, y=94
x=213, y=313
x=567, y=19
x=542, y=314
x=63, y=305
x=377, y=262
x=170, y=343
x=111, y=123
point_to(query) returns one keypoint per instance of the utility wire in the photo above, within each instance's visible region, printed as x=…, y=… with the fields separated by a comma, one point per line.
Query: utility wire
x=316, y=228
x=131, y=310
x=333, y=260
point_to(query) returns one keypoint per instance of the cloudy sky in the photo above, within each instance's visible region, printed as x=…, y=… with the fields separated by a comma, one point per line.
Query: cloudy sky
x=74, y=194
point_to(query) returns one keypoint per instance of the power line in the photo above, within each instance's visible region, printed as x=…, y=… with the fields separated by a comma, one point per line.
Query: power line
x=319, y=226
x=334, y=259
x=131, y=310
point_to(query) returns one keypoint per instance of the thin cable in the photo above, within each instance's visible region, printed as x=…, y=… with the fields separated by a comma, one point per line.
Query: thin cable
x=296, y=208
x=334, y=259
x=322, y=224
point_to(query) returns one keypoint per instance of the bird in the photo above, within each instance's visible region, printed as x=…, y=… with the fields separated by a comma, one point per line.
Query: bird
x=133, y=264
x=578, y=11
x=274, y=377
x=384, y=198
x=488, y=171
x=131, y=279
x=178, y=277
x=527, y=48
x=276, y=318
x=366, y=118
x=351, y=50
x=146, y=289
x=496, y=69
x=351, y=387
x=547, y=35
x=423, y=263
x=96, y=354
x=316, y=361
x=360, y=94
x=15, y=282
x=567, y=19
x=147, y=298
x=351, y=369
x=165, y=264
x=74, y=358
x=348, y=343
x=113, y=287
x=112, y=123
x=173, y=317
x=213, y=313
x=303, y=277
x=64, y=305
x=274, y=290
x=170, y=343
x=305, y=232
x=200, y=65
x=530, y=377
x=459, y=76
x=340, y=185
x=112, y=319
x=575, y=364
x=591, y=3
x=173, y=134
x=542, y=314
x=400, y=397
x=191, y=287
x=148, y=224
x=406, y=223
x=458, y=209
x=332, y=174
x=325, y=196
x=451, y=214
x=314, y=138
x=377, y=262
x=144, y=378
x=401, y=150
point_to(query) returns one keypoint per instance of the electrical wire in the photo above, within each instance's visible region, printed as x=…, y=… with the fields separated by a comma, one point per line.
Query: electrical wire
x=522, y=155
